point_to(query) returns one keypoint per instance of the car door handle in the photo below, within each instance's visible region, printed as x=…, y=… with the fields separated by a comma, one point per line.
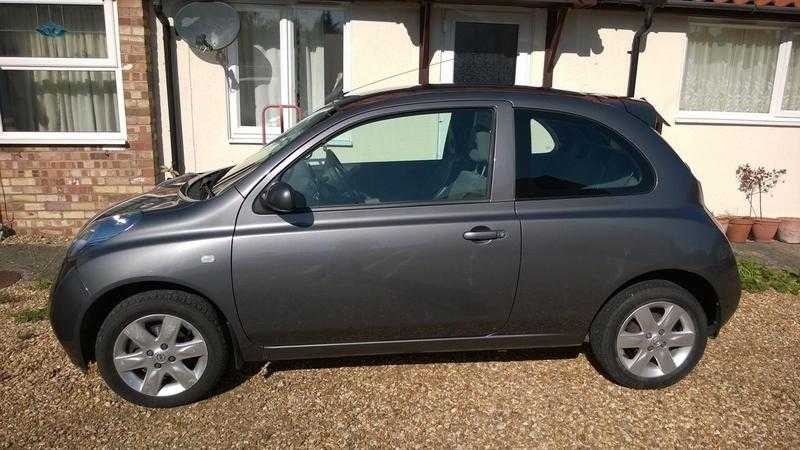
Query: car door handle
x=483, y=234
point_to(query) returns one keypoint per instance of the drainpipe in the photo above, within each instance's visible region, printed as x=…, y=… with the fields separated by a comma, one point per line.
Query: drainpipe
x=636, y=46
x=425, y=42
x=177, y=154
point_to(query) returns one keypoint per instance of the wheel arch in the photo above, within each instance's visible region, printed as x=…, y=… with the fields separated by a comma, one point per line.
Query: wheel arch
x=696, y=284
x=102, y=306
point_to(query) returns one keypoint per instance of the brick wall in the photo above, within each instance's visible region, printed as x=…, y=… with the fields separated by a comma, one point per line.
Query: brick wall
x=55, y=189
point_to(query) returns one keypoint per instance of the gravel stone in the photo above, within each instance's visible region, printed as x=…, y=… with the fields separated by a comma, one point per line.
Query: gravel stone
x=744, y=393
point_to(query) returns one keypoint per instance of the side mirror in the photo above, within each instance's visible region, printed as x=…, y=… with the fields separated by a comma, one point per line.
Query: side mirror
x=279, y=197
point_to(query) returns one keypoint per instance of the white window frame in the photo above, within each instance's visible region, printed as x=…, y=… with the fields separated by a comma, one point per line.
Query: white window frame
x=111, y=63
x=240, y=134
x=776, y=116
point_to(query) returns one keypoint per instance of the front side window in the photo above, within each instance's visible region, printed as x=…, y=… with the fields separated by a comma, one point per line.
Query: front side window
x=60, y=78
x=283, y=56
x=438, y=156
x=740, y=71
x=561, y=155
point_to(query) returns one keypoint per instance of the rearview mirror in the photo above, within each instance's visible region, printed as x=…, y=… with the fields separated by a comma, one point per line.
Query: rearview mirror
x=279, y=197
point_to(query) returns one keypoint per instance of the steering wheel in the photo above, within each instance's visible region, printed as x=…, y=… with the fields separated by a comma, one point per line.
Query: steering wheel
x=337, y=177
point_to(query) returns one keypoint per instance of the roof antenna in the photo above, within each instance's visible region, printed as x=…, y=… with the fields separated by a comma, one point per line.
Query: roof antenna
x=343, y=93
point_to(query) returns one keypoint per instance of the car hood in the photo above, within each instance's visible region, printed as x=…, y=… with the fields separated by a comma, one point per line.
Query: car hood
x=164, y=195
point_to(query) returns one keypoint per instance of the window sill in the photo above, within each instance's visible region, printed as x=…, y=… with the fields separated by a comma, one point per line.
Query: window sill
x=743, y=119
x=33, y=139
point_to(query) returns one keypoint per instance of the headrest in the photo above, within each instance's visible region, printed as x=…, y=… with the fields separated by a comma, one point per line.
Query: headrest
x=482, y=144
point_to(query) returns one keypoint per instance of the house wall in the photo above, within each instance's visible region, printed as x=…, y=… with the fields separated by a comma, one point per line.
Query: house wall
x=55, y=189
x=383, y=40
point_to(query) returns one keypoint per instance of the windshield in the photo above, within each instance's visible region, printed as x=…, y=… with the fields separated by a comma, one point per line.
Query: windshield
x=271, y=148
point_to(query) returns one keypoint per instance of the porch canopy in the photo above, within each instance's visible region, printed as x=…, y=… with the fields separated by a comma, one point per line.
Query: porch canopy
x=783, y=10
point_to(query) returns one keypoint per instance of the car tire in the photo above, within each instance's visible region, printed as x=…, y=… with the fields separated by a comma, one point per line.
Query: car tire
x=179, y=360
x=638, y=356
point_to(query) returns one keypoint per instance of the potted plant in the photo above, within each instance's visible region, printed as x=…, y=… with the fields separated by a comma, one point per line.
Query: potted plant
x=755, y=183
x=789, y=230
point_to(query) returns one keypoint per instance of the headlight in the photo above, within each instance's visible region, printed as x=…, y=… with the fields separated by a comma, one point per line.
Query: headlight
x=103, y=230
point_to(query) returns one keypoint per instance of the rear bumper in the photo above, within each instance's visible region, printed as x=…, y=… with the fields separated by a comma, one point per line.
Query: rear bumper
x=69, y=301
x=729, y=292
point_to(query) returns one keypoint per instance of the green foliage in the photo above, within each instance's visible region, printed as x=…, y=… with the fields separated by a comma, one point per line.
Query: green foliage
x=755, y=182
x=5, y=297
x=757, y=277
x=31, y=315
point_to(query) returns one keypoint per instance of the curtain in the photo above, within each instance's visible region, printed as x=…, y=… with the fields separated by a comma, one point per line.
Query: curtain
x=259, y=49
x=729, y=69
x=79, y=31
x=56, y=100
x=791, y=94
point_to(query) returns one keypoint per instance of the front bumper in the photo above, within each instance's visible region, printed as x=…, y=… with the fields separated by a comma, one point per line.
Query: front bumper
x=69, y=301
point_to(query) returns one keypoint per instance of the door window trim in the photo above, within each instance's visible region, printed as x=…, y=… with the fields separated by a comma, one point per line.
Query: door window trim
x=372, y=116
x=650, y=176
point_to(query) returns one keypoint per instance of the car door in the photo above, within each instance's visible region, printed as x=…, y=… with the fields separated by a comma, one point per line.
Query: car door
x=582, y=197
x=408, y=231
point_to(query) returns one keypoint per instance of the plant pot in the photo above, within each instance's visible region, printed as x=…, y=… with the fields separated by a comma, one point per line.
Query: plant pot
x=722, y=223
x=789, y=230
x=764, y=229
x=739, y=229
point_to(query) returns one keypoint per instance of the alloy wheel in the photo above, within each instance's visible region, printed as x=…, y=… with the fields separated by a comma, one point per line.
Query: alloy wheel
x=656, y=339
x=160, y=355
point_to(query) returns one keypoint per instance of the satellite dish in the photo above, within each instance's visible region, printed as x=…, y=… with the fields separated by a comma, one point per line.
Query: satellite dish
x=207, y=26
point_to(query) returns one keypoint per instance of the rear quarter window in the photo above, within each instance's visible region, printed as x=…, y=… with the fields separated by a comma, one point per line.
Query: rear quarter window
x=564, y=155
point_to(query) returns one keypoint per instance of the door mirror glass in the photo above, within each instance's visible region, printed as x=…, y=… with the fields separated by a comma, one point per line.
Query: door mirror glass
x=279, y=197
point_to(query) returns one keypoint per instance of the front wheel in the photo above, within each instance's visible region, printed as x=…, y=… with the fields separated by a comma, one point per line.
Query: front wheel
x=650, y=335
x=162, y=349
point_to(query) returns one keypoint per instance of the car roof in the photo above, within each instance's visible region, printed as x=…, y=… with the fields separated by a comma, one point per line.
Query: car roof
x=639, y=108
x=352, y=100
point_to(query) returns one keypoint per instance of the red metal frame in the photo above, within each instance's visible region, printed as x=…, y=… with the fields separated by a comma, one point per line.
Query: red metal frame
x=280, y=109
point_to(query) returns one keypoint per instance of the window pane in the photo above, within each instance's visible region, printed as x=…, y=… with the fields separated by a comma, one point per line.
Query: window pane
x=485, y=53
x=401, y=159
x=541, y=139
x=52, y=31
x=58, y=100
x=586, y=158
x=318, y=56
x=259, y=65
x=791, y=95
x=729, y=69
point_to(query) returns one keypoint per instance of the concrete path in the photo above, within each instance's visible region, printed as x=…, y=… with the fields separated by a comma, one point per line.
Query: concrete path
x=32, y=260
x=774, y=254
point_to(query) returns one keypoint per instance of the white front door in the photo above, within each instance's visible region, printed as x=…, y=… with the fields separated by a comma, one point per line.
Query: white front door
x=482, y=47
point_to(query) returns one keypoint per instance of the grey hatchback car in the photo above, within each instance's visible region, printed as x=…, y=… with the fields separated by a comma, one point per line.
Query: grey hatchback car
x=429, y=219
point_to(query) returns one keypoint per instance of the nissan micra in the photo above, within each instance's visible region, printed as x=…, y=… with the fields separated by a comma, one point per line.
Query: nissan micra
x=427, y=219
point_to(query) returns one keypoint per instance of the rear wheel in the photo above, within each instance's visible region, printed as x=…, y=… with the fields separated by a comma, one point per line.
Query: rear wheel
x=162, y=348
x=650, y=335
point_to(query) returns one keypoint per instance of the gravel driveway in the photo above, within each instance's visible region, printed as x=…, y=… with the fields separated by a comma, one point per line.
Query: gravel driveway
x=746, y=392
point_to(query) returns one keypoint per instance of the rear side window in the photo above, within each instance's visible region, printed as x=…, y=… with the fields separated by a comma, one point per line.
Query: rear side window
x=562, y=155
